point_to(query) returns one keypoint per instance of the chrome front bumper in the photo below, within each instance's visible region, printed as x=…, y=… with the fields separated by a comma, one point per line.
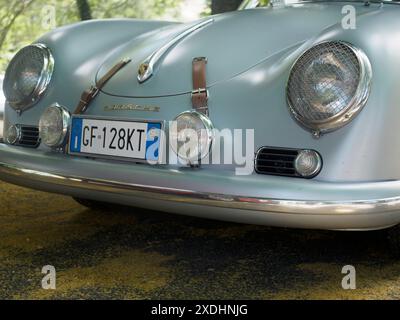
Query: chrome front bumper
x=209, y=193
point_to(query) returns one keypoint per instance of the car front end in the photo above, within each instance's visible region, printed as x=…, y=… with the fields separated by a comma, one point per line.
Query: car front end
x=312, y=116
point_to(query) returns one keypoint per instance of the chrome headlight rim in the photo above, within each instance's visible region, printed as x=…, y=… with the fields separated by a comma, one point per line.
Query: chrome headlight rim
x=66, y=121
x=353, y=108
x=45, y=77
x=209, y=127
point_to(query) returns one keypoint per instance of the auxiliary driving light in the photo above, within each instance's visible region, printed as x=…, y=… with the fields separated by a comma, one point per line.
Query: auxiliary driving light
x=191, y=136
x=308, y=163
x=53, y=126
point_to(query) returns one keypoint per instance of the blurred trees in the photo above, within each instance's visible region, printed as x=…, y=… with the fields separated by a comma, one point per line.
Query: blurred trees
x=23, y=21
x=219, y=6
x=9, y=12
x=84, y=10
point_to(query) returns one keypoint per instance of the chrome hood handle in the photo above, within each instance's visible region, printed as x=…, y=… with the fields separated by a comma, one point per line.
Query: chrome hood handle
x=148, y=66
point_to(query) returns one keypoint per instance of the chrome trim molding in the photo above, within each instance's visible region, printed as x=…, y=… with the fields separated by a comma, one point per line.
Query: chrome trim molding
x=148, y=67
x=353, y=108
x=288, y=206
x=47, y=71
x=44, y=80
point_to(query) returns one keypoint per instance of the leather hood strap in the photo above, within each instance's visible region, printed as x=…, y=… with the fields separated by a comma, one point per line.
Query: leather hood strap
x=88, y=95
x=200, y=93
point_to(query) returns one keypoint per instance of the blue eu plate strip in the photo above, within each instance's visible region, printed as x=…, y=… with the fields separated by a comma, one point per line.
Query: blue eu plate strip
x=76, y=135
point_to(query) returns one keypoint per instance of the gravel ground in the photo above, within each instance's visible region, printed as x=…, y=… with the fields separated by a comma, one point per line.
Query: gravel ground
x=149, y=255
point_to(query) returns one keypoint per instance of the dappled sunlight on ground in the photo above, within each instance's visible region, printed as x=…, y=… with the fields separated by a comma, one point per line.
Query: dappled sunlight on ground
x=148, y=255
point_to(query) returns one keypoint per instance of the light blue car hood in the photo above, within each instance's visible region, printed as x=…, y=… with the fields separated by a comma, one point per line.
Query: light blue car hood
x=233, y=43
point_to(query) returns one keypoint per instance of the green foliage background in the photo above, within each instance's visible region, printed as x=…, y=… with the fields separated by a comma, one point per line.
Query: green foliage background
x=23, y=21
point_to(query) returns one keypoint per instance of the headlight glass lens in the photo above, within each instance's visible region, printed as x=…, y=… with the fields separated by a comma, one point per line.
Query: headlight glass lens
x=308, y=163
x=328, y=84
x=191, y=136
x=28, y=76
x=53, y=126
x=13, y=134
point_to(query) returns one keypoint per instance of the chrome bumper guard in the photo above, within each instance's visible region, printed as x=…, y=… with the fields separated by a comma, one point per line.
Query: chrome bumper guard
x=59, y=173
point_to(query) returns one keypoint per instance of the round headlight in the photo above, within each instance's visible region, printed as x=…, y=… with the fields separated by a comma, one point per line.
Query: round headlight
x=27, y=76
x=328, y=85
x=191, y=136
x=53, y=126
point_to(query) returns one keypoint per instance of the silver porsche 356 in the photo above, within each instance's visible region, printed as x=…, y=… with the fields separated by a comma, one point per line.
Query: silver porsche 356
x=90, y=108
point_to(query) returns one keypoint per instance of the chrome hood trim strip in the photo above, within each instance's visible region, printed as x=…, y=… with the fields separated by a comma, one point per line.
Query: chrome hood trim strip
x=148, y=67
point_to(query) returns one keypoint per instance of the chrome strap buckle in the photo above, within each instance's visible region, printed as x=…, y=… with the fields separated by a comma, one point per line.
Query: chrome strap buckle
x=200, y=91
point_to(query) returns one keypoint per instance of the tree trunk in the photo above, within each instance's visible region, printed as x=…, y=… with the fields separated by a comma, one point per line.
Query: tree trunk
x=85, y=12
x=219, y=6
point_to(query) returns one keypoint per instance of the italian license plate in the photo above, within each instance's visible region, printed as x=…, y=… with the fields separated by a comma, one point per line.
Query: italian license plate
x=116, y=138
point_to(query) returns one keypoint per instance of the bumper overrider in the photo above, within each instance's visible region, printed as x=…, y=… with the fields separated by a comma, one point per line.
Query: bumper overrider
x=255, y=199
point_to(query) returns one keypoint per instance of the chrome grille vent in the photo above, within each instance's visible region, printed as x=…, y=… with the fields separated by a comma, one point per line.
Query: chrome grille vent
x=29, y=137
x=276, y=161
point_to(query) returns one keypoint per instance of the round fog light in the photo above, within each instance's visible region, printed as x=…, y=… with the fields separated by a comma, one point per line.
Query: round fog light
x=308, y=163
x=53, y=126
x=13, y=134
x=191, y=136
